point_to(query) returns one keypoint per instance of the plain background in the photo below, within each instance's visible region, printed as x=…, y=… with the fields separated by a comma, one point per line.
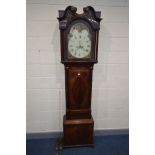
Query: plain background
x=13, y=77
x=45, y=73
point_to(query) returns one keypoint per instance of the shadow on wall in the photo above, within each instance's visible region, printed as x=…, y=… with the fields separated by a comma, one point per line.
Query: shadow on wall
x=101, y=69
x=60, y=79
x=59, y=66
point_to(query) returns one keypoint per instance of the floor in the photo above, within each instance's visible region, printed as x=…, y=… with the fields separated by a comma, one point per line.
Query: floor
x=104, y=145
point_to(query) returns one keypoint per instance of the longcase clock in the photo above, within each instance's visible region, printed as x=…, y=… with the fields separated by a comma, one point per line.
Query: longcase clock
x=79, y=51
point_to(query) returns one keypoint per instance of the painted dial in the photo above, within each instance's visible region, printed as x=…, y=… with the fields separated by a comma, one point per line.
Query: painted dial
x=79, y=41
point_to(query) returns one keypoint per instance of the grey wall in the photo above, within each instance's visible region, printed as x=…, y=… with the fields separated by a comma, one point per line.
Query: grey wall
x=45, y=73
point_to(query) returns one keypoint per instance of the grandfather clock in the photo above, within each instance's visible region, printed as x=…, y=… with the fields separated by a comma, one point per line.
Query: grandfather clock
x=79, y=48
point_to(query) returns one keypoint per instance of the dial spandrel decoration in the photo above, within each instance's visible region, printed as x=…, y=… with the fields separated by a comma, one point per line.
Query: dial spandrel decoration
x=79, y=41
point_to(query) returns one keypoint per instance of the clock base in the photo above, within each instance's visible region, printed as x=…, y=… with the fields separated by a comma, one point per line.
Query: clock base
x=78, y=132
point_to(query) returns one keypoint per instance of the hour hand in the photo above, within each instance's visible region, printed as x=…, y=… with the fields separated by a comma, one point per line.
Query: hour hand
x=79, y=44
x=77, y=47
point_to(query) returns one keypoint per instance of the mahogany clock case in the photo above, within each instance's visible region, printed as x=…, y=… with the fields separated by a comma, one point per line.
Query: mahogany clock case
x=78, y=123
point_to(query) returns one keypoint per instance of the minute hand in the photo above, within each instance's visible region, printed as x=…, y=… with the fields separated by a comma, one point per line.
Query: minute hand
x=80, y=43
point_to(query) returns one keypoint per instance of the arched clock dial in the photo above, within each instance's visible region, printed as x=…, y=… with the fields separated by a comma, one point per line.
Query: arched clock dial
x=79, y=41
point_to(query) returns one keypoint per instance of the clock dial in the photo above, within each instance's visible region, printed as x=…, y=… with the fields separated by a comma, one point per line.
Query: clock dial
x=79, y=41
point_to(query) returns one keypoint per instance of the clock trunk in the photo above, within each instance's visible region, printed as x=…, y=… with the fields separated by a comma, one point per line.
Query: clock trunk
x=78, y=91
x=78, y=122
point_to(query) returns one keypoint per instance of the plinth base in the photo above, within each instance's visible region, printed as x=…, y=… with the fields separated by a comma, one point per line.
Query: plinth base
x=78, y=132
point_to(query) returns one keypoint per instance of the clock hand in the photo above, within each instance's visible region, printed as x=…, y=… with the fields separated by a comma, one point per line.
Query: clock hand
x=80, y=42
